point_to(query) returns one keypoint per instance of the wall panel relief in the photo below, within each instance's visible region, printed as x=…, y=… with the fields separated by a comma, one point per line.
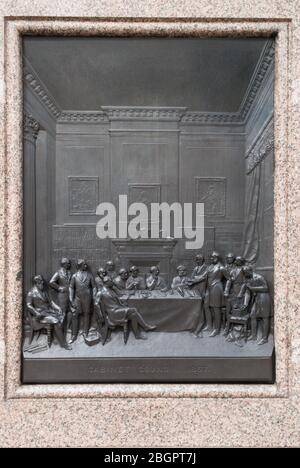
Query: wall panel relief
x=82, y=177
x=144, y=193
x=212, y=192
x=83, y=195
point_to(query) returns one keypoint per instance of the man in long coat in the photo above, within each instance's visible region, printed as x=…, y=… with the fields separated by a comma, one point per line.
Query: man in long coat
x=214, y=299
x=229, y=270
x=198, y=283
x=60, y=282
x=259, y=301
x=82, y=290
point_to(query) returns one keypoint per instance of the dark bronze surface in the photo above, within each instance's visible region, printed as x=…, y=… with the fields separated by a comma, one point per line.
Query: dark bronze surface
x=148, y=310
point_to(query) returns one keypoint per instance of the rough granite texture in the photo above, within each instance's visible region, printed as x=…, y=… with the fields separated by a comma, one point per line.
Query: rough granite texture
x=153, y=415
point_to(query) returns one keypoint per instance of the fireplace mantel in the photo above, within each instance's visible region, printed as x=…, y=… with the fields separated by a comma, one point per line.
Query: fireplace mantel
x=145, y=253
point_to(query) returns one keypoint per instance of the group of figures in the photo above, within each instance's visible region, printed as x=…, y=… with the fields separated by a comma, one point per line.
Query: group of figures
x=80, y=296
x=232, y=295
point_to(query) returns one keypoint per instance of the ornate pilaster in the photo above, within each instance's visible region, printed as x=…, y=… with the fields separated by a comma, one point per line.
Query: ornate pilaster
x=31, y=129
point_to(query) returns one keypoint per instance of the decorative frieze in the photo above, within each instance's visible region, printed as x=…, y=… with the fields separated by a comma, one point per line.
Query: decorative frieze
x=82, y=116
x=144, y=113
x=210, y=118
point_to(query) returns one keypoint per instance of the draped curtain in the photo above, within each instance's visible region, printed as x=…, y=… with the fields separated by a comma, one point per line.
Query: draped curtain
x=262, y=147
x=252, y=209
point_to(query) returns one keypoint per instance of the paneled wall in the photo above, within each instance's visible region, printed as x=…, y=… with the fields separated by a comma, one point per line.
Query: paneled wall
x=151, y=156
x=211, y=171
x=87, y=158
x=82, y=182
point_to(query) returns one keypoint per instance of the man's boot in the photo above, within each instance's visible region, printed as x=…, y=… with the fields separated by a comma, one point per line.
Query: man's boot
x=74, y=328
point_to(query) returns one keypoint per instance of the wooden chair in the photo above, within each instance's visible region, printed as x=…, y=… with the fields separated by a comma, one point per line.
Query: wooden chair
x=240, y=317
x=36, y=326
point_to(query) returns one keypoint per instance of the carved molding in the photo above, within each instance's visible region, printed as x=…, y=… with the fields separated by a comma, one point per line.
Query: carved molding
x=144, y=113
x=211, y=117
x=31, y=127
x=263, y=145
x=40, y=90
x=266, y=61
x=82, y=116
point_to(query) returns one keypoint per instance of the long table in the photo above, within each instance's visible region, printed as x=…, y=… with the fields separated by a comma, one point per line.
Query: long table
x=170, y=313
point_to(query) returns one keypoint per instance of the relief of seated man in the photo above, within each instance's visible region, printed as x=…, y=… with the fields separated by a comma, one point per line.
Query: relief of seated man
x=101, y=273
x=135, y=281
x=110, y=269
x=155, y=281
x=181, y=282
x=121, y=279
x=117, y=312
x=44, y=311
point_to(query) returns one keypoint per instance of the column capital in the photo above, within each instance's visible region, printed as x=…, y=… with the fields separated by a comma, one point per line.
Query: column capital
x=31, y=127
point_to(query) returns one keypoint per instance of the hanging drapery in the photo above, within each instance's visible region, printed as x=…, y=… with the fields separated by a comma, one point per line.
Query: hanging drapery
x=262, y=147
x=251, y=225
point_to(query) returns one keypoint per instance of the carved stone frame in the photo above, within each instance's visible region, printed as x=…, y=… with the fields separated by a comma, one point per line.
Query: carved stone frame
x=11, y=262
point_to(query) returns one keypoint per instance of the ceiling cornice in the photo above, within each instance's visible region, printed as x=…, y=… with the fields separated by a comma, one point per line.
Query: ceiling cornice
x=71, y=116
x=264, y=65
x=181, y=114
x=144, y=113
x=195, y=117
x=39, y=89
